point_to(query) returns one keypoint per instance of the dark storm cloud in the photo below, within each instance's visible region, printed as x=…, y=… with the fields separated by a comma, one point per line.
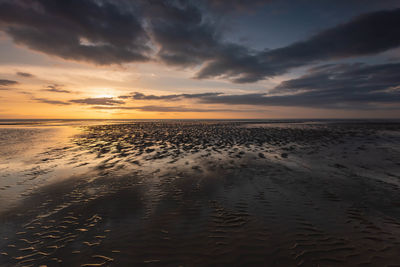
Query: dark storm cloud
x=107, y=32
x=238, y=64
x=352, y=86
x=25, y=74
x=107, y=101
x=367, y=34
x=182, y=34
x=189, y=36
x=364, y=35
x=52, y=102
x=4, y=82
x=141, y=96
x=85, y=30
x=186, y=37
x=56, y=89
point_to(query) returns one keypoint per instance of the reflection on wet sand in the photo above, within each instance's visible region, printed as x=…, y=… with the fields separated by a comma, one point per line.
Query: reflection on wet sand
x=210, y=193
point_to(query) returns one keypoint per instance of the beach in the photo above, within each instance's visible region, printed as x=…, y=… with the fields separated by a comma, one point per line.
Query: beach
x=195, y=193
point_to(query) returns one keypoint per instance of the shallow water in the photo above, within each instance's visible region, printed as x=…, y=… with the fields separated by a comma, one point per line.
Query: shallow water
x=200, y=193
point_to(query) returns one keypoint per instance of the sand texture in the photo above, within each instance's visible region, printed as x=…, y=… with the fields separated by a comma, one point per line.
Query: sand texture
x=197, y=193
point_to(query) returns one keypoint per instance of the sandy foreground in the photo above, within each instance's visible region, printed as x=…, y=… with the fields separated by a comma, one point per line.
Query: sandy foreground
x=198, y=193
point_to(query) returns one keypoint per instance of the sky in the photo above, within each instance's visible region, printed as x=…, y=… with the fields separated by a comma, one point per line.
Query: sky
x=203, y=59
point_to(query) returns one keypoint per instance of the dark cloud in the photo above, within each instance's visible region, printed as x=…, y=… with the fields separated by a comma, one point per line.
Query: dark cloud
x=222, y=5
x=4, y=82
x=345, y=78
x=141, y=96
x=25, y=74
x=352, y=86
x=182, y=34
x=107, y=32
x=348, y=86
x=25, y=93
x=56, y=88
x=52, y=102
x=336, y=86
x=364, y=35
x=86, y=30
x=238, y=64
x=309, y=100
x=168, y=109
x=185, y=35
x=106, y=101
x=188, y=38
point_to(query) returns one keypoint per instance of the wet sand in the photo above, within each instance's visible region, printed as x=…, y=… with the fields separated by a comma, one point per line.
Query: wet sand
x=207, y=193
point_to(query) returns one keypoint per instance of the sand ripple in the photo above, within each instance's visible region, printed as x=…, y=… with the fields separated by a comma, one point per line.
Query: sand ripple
x=210, y=193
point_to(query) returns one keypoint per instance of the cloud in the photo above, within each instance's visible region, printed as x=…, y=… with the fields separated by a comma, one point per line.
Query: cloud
x=25, y=93
x=152, y=108
x=176, y=109
x=351, y=86
x=185, y=34
x=102, y=101
x=141, y=96
x=221, y=5
x=367, y=34
x=348, y=86
x=356, y=86
x=52, y=102
x=112, y=32
x=106, y=101
x=189, y=38
x=345, y=78
x=56, y=89
x=105, y=32
x=99, y=32
x=25, y=74
x=4, y=82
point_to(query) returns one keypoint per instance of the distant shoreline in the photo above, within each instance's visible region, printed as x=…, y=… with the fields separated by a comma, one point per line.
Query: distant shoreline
x=10, y=122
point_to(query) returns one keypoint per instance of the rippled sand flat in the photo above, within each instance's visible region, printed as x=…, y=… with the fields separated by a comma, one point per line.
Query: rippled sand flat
x=205, y=193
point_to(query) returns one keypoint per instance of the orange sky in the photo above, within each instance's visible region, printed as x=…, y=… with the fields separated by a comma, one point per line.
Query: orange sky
x=25, y=100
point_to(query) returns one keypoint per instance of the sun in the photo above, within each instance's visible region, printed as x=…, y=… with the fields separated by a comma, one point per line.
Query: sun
x=104, y=93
